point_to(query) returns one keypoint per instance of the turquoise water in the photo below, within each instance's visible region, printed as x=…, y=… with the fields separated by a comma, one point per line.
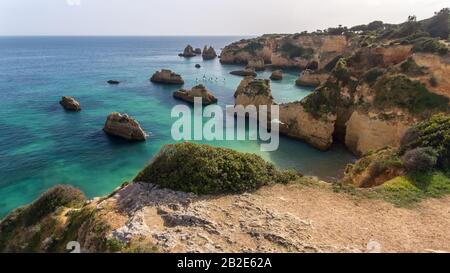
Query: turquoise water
x=41, y=145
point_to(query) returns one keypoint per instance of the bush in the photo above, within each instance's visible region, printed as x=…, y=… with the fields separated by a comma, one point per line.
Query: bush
x=203, y=169
x=420, y=159
x=289, y=50
x=341, y=70
x=434, y=133
x=48, y=202
x=429, y=45
x=373, y=74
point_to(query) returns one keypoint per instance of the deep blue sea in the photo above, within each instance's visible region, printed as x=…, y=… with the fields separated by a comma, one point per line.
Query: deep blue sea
x=42, y=145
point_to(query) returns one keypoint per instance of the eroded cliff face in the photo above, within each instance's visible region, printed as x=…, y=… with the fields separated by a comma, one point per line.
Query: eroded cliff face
x=298, y=123
x=437, y=79
x=287, y=51
x=367, y=132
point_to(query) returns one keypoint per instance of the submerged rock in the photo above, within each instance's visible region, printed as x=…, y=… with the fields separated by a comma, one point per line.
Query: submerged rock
x=209, y=53
x=70, y=104
x=166, y=76
x=123, y=126
x=188, y=52
x=277, y=75
x=197, y=66
x=244, y=73
x=113, y=82
x=196, y=91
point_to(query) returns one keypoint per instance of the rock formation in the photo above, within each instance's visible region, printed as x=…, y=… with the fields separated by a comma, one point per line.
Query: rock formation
x=209, y=53
x=188, y=52
x=198, y=51
x=276, y=75
x=196, y=91
x=121, y=125
x=256, y=64
x=244, y=73
x=255, y=92
x=166, y=76
x=70, y=104
x=311, y=79
x=198, y=66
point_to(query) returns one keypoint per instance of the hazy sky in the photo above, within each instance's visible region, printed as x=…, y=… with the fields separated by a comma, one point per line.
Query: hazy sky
x=199, y=17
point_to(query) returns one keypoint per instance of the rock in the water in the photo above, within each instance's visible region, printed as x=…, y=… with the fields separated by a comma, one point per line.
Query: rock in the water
x=197, y=66
x=123, y=126
x=167, y=77
x=196, y=91
x=277, y=75
x=311, y=79
x=113, y=82
x=198, y=51
x=255, y=92
x=256, y=64
x=188, y=52
x=244, y=73
x=70, y=104
x=209, y=53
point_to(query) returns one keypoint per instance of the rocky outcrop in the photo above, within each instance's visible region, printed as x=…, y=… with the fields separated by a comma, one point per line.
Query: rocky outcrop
x=166, y=76
x=287, y=51
x=121, y=125
x=188, y=52
x=298, y=123
x=276, y=75
x=70, y=104
x=198, y=66
x=311, y=79
x=368, y=132
x=209, y=53
x=256, y=64
x=113, y=82
x=197, y=91
x=255, y=92
x=244, y=73
x=198, y=51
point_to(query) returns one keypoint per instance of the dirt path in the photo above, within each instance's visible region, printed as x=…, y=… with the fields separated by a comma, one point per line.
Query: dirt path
x=280, y=218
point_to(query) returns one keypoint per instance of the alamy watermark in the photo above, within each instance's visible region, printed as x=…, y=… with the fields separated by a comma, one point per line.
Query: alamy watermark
x=263, y=123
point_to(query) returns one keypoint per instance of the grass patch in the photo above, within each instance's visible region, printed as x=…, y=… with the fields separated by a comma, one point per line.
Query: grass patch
x=404, y=191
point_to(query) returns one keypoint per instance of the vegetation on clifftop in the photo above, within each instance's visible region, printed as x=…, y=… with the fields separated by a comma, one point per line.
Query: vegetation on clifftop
x=204, y=169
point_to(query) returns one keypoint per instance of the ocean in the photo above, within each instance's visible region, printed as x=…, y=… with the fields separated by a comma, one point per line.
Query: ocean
x=41, y=145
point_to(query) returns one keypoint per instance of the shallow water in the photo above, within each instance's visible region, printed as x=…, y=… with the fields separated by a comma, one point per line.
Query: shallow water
x=41, y=145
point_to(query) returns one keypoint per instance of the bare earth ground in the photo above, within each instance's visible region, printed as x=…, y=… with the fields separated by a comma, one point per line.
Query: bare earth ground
x=279, y=218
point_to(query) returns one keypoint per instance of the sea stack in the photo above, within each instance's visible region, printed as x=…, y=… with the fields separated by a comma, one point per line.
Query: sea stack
x=277, y=75
x=209, y=53
x=257, y=64
x=166, y=76
x=188, y=52
x=70, y=104
x=196, y=91
x=122, y=125
x=198, y=51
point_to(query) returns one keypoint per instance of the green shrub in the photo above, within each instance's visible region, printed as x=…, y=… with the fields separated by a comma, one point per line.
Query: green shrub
x=203, y=169
x=411, y=68
x=373, y=74
x=420, y=159
x=341, y=71
x=429, y=45
x=439, y=25
x=434, y=133
x=48, y=202
x=400, y=91
x=290, y=50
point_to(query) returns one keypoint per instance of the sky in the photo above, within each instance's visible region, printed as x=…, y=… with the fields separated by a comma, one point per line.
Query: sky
x=199, y=17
